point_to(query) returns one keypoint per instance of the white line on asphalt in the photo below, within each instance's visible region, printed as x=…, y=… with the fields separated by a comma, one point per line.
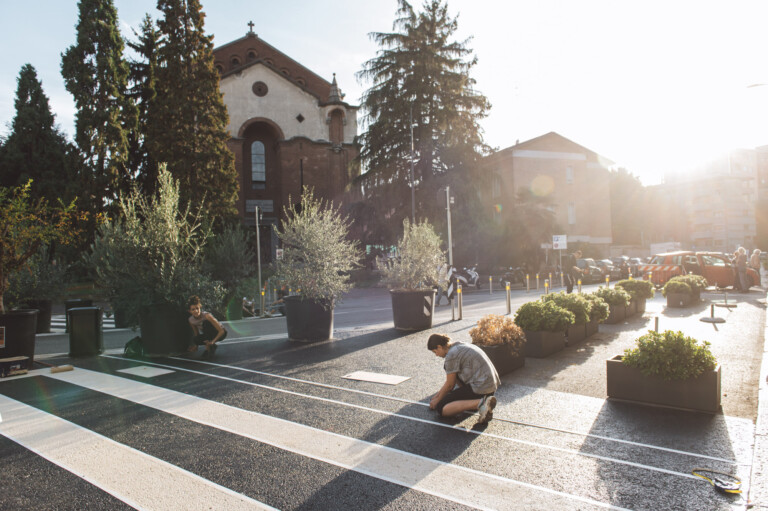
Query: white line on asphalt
x=444, y=480
x=431, y=422
x=496, y=416
x=138, y=479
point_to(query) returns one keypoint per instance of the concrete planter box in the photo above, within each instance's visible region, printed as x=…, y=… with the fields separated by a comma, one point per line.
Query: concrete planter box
x=617, y=314
x=640, y=303
x=629, y=384
x=540, y=344
x=504, y=357
x=591, y=328
x=631, y=309
x=576, y=333
x=679, y=300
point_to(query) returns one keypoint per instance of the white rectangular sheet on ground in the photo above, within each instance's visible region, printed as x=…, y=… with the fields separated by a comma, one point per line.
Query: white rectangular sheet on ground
x=388, y=379
x=145, y=371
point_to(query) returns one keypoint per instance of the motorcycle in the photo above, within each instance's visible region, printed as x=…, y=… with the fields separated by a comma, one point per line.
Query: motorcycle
x=514, y=275
x=468, y=277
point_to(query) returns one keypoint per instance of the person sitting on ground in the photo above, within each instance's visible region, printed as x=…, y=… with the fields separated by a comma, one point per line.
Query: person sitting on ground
x=249, y=307
x=470, y=382
x=206, y=330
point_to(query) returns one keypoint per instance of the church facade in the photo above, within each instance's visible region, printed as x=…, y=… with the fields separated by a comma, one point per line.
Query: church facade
x=289, y=128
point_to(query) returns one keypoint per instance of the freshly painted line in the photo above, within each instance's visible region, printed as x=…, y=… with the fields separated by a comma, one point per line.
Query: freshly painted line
x=451, y=482
x=136, y=478
x=496, y=416
x=435, y=423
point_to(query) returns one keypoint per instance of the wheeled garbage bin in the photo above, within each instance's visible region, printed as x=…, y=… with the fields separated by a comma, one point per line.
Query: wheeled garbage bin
x=85, y=334
x=74, y=303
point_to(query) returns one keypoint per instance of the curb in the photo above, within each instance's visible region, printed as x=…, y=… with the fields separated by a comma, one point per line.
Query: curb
x=758, y=487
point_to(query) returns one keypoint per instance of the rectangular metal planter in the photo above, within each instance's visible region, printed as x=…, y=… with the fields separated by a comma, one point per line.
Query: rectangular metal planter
x=503, y=357
x=576, y=333
x=631, y=309
x=617, y=314
x=591, y=328
x=628, y=383
x=679, y=300
x=540, y=344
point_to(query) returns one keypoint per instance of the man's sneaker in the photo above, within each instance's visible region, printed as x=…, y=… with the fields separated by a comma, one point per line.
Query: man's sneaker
x=485, y=410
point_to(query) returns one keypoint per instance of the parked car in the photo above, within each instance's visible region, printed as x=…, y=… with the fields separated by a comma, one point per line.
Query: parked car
x=590, y=272
x=622, y=263
x=608, y=269
x=713, y=266
x=634, y=264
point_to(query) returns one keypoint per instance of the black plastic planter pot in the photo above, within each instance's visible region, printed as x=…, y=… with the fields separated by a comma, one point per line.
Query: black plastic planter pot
x=413, y=310
x=308, y=320
x=43, y=315
x=504, y=357
x=71, y=304
x=164, y=329
x=18, y=334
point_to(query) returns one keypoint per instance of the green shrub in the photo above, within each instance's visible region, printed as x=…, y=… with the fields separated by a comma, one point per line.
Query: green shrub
x=637, y=289
x=43, y=279
x=419, y=261
x=614, y=296
x=546, y=316
x=598, y=310
x=670, y=355
x=696, y=282
x=573, y=302
x=230, y=260
x=676, y=287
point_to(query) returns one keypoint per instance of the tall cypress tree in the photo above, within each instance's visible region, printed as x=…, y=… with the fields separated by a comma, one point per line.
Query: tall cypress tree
x=188, y=119
x=143, y=91
x=96, y=74
x=35, y=148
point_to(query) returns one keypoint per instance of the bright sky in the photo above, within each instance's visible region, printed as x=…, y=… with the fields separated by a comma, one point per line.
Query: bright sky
x=653, y=85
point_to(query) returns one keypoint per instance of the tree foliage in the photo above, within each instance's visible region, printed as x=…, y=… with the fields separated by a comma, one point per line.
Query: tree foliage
x=96, y=75
x=628, y=207
x=419, y=258
x=187, y=121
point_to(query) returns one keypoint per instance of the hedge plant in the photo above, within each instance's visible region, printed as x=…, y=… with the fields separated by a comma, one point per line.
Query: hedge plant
x=598, y=309
x=676, y=287
x=637, y=289
x=574, y=302
x=696, y=282
x=670, y=355
x=543, y=316
x=614, y=296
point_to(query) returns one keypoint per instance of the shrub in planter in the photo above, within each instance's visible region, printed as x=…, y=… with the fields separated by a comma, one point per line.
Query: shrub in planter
x=639, y=291
x=544, y=324
x=617, y=300
x=38, y=285
x=317, y=259
x=697, y=284
x=598, y=312
x=677, y=292
x=579, y=306
x=413, y=276
x=502, y=340
x=670, y=355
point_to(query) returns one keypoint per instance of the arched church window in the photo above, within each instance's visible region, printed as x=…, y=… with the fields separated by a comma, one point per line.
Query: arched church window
x=220, y=69
x=235, y=62
x=252, y=55
x=258, y=163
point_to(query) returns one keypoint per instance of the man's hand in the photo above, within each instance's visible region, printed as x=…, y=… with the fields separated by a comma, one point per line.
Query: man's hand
x=433, y=403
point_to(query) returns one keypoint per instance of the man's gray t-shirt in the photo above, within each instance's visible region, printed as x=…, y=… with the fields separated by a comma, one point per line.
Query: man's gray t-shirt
x=473, y=367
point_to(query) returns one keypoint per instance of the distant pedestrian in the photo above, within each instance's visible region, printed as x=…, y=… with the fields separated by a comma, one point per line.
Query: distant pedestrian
x=470, y=379
x=754, y=263
x=572, y=270
x=206, y=329
x=741, y=268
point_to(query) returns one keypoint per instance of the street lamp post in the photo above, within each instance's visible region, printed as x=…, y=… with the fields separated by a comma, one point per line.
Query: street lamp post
x=413, y=185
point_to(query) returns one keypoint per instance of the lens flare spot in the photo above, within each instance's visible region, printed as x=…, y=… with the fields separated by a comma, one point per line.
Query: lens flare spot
x=541, y=186
x=498, y=208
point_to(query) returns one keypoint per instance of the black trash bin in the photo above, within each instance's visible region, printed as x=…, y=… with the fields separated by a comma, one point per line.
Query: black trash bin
x=85, y=334
x=71, y=304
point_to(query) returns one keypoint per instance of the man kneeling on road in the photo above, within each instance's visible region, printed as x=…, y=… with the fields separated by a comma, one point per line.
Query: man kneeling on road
x=469, y=367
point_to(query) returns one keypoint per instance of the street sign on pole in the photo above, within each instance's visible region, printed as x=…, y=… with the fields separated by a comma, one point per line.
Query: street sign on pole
x=559, y=242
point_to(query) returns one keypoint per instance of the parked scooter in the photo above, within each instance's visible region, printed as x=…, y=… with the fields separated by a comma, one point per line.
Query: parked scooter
x=468, y=277
x=514, y=275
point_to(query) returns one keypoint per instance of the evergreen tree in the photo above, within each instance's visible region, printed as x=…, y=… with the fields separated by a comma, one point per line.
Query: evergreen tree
x=421, y=81
x=188, y=120
x=143, y=91
x=629, y=208
x=35, y=149
x=96, y=75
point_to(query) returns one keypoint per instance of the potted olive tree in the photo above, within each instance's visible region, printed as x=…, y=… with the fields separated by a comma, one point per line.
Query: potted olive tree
x=579, y=306
x=502, y=340
x=317, y=259
x=25, y=226
x=149, y=261
x=617, y=300
x=598, y=312
x=639, y=291
x=669, y=369
x=35, y=287
x=544, y=325
x=413, y=276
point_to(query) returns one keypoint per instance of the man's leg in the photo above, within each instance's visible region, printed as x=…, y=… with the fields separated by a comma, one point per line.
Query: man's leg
x=456, y=407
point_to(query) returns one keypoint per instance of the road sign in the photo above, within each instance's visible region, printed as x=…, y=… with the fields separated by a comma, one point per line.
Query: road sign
x=278, y=253
x=559, y=242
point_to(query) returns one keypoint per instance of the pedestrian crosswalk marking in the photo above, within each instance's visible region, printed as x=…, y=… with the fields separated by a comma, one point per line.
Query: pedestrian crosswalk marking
x=138, y=479
x=451, y=482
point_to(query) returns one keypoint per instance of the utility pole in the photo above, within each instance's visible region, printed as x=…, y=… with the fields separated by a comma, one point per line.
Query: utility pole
x=448, y=210
x=413, y=185
x=258, y=259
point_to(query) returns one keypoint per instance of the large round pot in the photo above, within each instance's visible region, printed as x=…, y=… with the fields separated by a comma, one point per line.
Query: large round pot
x=43, y=315
x=308, y=320
x=413, y=309
x=164, y=329
x=17, y=331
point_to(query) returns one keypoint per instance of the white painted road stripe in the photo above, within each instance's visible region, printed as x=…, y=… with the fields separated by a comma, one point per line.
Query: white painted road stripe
x=138, y=479
x=451, y=482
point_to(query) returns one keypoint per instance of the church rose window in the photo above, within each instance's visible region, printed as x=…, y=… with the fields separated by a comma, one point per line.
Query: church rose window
x=260, y=89
x=258, y=163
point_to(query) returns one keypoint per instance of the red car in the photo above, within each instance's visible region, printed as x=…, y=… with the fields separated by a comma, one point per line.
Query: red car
x=713, y=266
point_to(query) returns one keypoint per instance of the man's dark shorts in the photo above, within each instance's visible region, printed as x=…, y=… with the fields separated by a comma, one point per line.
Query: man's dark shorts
x=209, y=334
x=460, y=393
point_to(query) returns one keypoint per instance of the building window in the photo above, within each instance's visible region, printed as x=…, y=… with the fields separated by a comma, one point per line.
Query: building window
x=260, y=89
x=569, y=175
x=571, y=213
x=496, y=186
x=258, y=163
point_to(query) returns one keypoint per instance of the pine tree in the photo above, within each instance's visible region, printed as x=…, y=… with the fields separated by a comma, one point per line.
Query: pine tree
x=420, y=80
x=188, y=119
x=143, y=91
x=96, y=75
x=35, y=148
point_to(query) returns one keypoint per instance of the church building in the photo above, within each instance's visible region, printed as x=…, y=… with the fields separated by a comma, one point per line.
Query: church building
x=288, y=127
